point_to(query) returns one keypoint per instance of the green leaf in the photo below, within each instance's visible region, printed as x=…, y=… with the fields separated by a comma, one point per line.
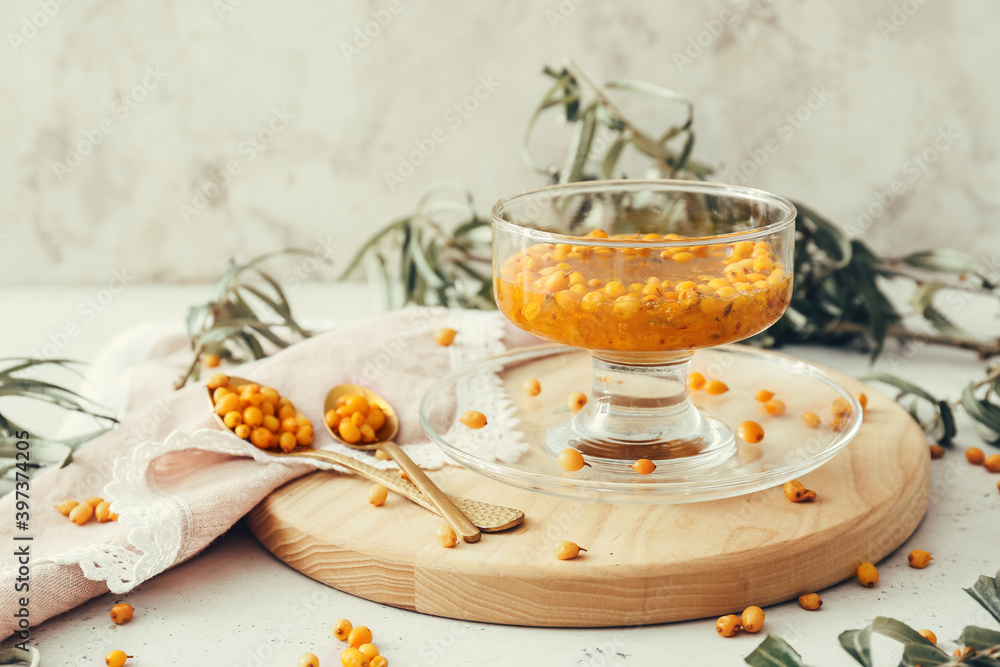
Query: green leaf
x=378, y=277
x=614, y=152
x=923, y=654
x=655, y=91
x=945, y=260
x=906, y=386
x=420, y=259
x=549, y=100
x=774, y=652
x=898, y=631
x=923, y=302
x=827, y=236
x=395, y=225
x=858, y=644
x=986, y=592
x=979, y=638
x=15, y=656
x=983, y=412
x=579, y=148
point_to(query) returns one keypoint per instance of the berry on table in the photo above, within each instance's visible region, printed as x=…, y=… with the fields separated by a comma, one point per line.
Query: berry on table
x=473, y=419
x=571, y=460
x=445, y=336
x=716, y=387
x=567, y=550
x=752, y=619
x=728, y=625
x=121, y=613
x=797, y=492
x=308, y=660
x=867, y=574
x=751, y=432
x=811, y=419
x=696, y=381
x=775, y=407
x=764, y=395
x=975, y=456
x=81, y=514
x=116, y=658
x=446, y=537
x=532, y=387
x=377, y=495
x=66, y=506
x=342, y=629
x=576, y=401
x=810, y=601
x=352, y=657
x=644, y=466
x=358, y=636
x=369, y=650
x=919, y=559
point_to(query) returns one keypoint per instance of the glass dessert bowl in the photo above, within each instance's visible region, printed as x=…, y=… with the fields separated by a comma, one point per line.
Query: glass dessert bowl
x=642, y=274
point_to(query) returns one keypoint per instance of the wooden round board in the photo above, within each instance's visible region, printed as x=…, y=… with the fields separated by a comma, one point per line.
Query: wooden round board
x=644, y=564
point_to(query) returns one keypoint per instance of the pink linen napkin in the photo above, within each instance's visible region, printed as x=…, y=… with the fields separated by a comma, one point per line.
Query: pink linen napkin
x=178, y=481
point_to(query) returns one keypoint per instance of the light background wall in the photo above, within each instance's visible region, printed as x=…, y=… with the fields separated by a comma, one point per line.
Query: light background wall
x=893, y=76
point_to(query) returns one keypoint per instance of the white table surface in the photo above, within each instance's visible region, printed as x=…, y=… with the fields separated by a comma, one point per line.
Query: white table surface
x=235, y=604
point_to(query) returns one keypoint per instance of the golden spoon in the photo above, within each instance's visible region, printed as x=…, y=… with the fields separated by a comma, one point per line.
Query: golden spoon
x=383, y=441
x=488, y=518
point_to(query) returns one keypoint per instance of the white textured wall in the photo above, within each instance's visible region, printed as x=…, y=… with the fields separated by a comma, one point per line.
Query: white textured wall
x=882, y=93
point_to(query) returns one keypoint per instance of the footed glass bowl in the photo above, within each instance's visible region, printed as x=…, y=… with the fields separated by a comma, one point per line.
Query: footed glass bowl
x=641, y=274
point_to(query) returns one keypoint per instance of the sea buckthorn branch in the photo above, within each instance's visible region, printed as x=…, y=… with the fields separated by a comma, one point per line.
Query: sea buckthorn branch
x=16, y=380
x=248, y=308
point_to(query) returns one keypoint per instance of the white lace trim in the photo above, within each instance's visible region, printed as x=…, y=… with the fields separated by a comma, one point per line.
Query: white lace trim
x=483, y=391
x=161, y=524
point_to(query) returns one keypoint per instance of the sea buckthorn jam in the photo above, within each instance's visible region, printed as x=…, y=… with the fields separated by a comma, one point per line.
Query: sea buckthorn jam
x=635, y=299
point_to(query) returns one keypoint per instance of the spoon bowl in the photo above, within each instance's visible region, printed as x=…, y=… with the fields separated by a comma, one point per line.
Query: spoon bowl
x=387, y=431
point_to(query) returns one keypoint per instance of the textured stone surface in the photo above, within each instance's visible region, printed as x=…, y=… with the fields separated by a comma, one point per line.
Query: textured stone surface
x=882, y=93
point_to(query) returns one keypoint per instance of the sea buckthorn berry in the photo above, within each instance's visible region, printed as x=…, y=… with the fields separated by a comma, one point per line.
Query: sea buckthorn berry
x=376, y=418
x=116, y=659
x=576, y=401
x=219, y=392
x=367, y=433
x=377, y=494
x=121, y=613
x=445, y=336
x=764, y=395
x=919, y=559
x=928, y=635
x=358, y=418
x=937, y=451
x=841, y=407
x=304, y=436
x=863, y=400
x=252, y=416
x=352, y=657
x=211, y=360
x=261, y=437
x=228, y=403
x=975, y=456
x=331, y=418
x=81, y=514
x=566, y=550
x=271, y=423
x=66, y=506
x=94, y=501
x=797, y=493
x=349, y=432
x=751, y=432
x=473, y=419
x=446, y=537
x=811, y=419
x=370, y=650
x=962, y=652
x=379, y=661
x=342, y=629
x=308, y=660
x=810, y=601
x=752, y=619
x=532, y=387
x=357, y=403
x=233, y=419
x=644, y=466
x=728, y=625
x=992, y=463
x=775, y=407
x=285, y=412
x=716, y=387
x=382, y=456
x=242, y=431
x=358, y=636
x=867, y=575
x=217, y=380
x=103, y=512
x=696, y=381
x=571, y=460
x=287, y=441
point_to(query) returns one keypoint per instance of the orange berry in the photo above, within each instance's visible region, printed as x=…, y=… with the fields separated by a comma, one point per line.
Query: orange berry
x=66, y=506
x=81, y=514
x=937, y=451
x=103, y=512
x=217, y=380
x=304, y=436
x=576, y=401
x=342, y=629
x=975, y=456
x=446, y=537
x=867, y=574
x=473, y=419
x=211, y=360
x=992, y=463
x=358, y=418
x=94, y=501
x=352, y=657
x=764, y=395
x=752, y=619
x=331, y=418
x=356, y=403
x=716, y=387
x=370, y=651
x=252, y=416
x=811, y=419
x=751, y=432
x=271, y=423
x=377, y=494
x=287, y=441
x=367, y=433
x=349, y=432
x=122, y=613
x=286, y=411
x=919, y=559
x=531, y=387
x=233, y=419
x=797, y=493
x=445, y=336
x=841, y=407
x=696, y=381
x=261, y=437
x=571, y=460
x=928, y=635
x=775, y=407
x=566, y=550
x=308, y=660
x=267, y=408
x=242, y=431
x=728, y=625
x=358, y=636
x=644, y=466
x=810, y=601
x=863, y=400
x=228, y=403
x=376, y=418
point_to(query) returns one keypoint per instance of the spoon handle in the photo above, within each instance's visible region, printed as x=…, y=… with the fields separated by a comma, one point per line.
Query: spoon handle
x=446, y=508
x=488, y=518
